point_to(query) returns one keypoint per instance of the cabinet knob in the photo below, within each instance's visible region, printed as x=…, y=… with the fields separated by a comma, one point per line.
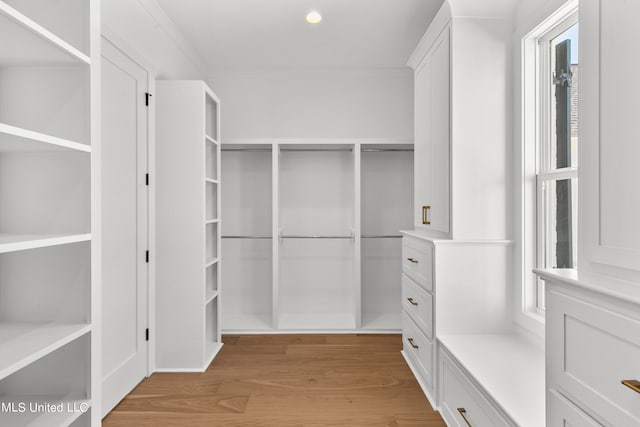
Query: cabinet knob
x=412, y=343
x=425, y=215
x=463, y=414
x=412, y=301
x=632, y=384
x=413, y=260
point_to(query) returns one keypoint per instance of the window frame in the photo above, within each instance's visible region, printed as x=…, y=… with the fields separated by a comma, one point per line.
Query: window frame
x=545, y=171
x=536, y=79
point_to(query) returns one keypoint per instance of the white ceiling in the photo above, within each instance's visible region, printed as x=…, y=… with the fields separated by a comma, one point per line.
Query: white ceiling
x=273, y=33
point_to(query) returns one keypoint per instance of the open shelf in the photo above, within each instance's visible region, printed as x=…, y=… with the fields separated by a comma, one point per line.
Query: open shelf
x=24, y=343
x=20, y=242
x=17, y=139
x=211, y=180
x=246, y=322
x=298, y=321
x=211, y=351
x=211, y=117
x=211, y=140
x=382, y=321
x=32, y=44
x=71, y=411
x=211, y=262
x=210, y=295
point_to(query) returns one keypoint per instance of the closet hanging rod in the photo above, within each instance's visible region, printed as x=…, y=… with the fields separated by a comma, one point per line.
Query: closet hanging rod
x=283, y=236
x=245, y=237
x=252, y=150
x=383, y=150
x=380, y=236
x=317, y=149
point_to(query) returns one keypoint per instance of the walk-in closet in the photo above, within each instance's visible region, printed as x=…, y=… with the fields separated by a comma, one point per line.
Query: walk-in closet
x=319, y=213
x=311, y=237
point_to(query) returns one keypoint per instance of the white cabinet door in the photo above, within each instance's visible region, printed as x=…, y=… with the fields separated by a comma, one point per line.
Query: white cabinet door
x=432, y=138
x=440, y=135
x=422, y=146
x=609, y=133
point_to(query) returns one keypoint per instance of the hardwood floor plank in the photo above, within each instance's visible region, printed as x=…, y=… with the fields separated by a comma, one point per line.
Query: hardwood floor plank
x=286, y=380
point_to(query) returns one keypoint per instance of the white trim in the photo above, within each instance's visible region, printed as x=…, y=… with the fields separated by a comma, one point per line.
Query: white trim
x=421, y=383
x=526, y=67
x=113, y=38
x=436, y=27
x=318, y=141
x=171, y=29
x=272, y=331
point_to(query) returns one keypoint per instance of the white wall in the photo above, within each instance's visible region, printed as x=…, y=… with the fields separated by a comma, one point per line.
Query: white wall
x=143, y=30
x=315, y=103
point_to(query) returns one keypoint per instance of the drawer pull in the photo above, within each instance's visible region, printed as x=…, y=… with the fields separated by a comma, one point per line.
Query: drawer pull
x=425, y=210
x=632, y=384
x=412, y=301
x=463, y=414
x=413, y=260
x=412, y=344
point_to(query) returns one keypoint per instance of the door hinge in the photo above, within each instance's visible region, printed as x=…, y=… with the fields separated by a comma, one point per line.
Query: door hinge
x=146, y=178
x=146, y=334
x=146, y=256
x=147, y=95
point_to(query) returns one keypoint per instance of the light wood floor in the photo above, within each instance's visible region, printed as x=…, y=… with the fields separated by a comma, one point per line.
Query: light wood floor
x=286, y=380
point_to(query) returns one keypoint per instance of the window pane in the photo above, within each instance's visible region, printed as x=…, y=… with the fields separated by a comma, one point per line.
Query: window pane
x=565, y=92
x=561, y=223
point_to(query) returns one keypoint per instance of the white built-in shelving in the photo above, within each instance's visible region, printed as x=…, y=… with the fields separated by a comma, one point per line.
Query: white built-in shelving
x=312, y=234
x=49, y=205
x=188, y=222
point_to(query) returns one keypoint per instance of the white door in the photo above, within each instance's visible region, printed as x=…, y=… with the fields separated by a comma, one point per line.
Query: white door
x=124, y=222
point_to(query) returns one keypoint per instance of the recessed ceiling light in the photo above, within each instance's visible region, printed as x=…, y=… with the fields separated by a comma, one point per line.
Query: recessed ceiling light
x=314, y=17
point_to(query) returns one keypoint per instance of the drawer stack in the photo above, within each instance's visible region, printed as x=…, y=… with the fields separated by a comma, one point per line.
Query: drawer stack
x=417, y=309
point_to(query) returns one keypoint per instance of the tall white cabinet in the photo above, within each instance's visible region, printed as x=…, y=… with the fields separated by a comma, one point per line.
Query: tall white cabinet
x=187, y=226
x=456, y=263
x=49, y=212
x=432, y=138
x=311, y=234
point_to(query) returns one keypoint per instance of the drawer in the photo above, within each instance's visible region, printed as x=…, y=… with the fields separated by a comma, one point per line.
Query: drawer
x=590, y=350
x=462, y=403
x=417, y=262
x=419, y=304
x=418, y=347
x=562, y=413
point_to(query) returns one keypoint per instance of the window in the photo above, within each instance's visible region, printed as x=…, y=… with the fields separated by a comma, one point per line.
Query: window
x=557, y=143
x=547, y=199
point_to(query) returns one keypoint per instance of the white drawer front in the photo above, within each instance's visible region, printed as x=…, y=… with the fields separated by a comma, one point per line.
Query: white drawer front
x=562, y=413
x=418, y=347
x=419, y=304
x=417, y=262
x=590, y=351
x=462, y=404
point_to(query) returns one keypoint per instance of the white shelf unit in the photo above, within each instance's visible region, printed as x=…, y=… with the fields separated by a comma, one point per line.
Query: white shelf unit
x=316, y=241
x=386, y=206
x=246, y=237
x=188, y=226
x=312, y=234
x=49, y=210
